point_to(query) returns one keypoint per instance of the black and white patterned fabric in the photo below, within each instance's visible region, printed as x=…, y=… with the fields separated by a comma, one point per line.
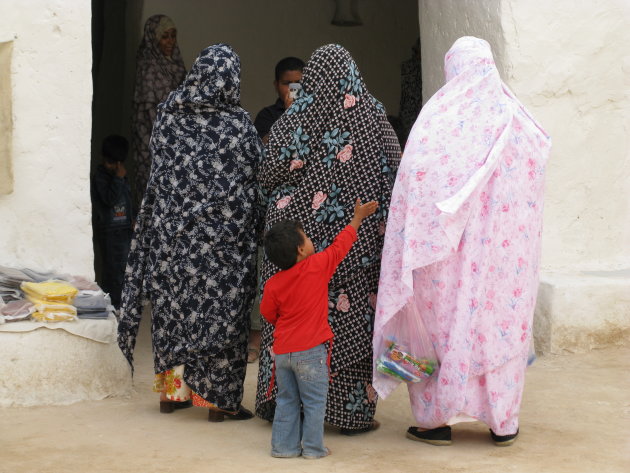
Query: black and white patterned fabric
x=332, y=146
x=194, y=250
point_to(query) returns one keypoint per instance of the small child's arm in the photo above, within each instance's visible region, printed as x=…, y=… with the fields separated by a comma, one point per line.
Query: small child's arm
x=269, y=307
x=340, y=247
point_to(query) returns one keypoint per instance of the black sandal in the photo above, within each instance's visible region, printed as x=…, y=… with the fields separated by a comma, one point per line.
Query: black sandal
x=437, y=436
x=167, y=407
x=503, y=440
x=218, y=415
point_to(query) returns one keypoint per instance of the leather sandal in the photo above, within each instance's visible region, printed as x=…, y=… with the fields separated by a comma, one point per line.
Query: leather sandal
x=167, y=407
x=219, y=415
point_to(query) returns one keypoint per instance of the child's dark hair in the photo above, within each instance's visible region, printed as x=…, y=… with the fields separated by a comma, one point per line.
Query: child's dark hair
x=115, y=148
x=288, y=64
x=281, y=243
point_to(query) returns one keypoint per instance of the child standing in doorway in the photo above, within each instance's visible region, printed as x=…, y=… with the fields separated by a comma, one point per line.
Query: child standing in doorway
x=295, y=301
x=112, y=214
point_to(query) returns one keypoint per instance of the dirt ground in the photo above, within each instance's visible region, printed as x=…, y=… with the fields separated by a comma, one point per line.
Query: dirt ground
x=575, y=418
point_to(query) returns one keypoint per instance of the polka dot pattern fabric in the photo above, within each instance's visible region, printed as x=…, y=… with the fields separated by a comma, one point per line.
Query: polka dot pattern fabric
x=332, y=146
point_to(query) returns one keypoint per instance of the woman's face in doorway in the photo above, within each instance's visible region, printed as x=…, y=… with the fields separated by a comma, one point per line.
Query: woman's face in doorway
x=167, y=42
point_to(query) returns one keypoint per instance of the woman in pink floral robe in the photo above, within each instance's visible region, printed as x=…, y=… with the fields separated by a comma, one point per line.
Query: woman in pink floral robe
x=462, y=246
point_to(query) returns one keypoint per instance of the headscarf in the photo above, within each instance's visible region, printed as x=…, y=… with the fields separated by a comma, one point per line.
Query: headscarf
x=156, y=74
x=163, y=26
x=331, y=146
x=202, y=186
x=473, y=145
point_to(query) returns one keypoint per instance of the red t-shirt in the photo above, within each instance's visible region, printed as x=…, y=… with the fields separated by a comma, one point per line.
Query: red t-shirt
x=296, y=300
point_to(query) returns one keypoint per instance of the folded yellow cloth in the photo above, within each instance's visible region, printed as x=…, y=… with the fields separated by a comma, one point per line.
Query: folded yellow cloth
x=49, y=291
x=52, y=312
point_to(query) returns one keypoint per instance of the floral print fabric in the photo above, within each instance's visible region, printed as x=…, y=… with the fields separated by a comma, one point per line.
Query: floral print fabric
x=156, y=77
x=463, y=243
x=332, y=146
x=194, y=249
x=172, y=384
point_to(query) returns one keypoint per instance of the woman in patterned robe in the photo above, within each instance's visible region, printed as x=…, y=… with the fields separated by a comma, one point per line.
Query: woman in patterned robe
x=194, y=250
x=159, y=70
x=332, y=146
x=462, y=248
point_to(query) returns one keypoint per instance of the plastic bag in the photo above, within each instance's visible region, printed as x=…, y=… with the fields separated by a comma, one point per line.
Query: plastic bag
x=50, y=312
x=17, y=310
x=407, y=353
x=396, y=362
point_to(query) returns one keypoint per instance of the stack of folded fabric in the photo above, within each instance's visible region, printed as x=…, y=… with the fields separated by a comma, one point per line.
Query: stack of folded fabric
x=16, y=311
x=52, y=300
x=10, y=280
x=93, y=305
x=39, y=276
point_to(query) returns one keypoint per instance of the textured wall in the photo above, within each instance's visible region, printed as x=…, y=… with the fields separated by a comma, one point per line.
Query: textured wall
x=45, y=223
x=54, y=367
x=443, y=21
x=569, y=64
x=6, y=121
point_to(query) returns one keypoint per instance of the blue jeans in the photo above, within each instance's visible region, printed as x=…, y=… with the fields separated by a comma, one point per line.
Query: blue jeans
x=301, y=377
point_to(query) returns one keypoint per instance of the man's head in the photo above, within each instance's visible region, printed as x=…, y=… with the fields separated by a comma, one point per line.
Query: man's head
x=114, y=150
x=286, y=244
x=288, y=71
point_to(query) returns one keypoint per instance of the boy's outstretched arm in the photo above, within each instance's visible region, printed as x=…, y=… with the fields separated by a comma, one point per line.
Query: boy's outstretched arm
x=362, y=211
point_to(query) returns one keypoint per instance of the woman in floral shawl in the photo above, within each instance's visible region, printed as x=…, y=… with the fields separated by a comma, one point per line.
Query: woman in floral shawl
x=159, y=70
x=462, y=248
x=332, y=146
x=194, y=250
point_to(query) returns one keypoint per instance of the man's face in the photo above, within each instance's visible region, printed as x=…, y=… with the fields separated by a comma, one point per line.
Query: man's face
x=286, y=78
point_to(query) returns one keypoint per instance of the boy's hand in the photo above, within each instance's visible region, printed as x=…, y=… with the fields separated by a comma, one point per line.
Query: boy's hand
x=121, y=171
x=362, y=211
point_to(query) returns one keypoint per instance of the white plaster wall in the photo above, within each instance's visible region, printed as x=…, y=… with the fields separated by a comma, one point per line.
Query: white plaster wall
x=263, y=32
x=54, y=367
x=569, y=63
x=46, y=222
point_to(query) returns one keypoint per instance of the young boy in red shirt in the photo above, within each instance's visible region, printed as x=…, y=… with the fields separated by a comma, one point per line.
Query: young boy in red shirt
x=295, y=301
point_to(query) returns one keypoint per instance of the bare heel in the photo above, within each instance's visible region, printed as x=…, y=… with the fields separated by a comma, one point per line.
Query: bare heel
x=215, y=416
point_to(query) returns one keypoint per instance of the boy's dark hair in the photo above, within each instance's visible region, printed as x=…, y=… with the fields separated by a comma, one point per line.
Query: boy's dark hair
x=115, y=148
x=281, y=243
x=288, y=64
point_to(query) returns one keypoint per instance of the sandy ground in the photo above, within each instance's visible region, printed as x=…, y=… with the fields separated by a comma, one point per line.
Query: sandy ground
x=575, y=418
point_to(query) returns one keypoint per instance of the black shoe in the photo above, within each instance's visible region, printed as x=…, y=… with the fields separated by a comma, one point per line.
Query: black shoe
x=503, y=440
x=438, y=436
x=166, y=407
x=373, y=426
x=215, y=415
